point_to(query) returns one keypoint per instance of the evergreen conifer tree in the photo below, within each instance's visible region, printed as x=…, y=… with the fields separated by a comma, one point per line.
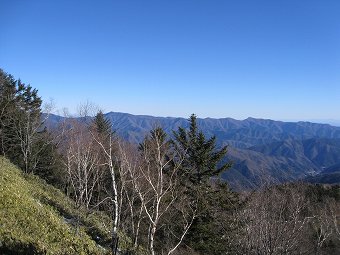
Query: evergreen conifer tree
x=102, y=124
x=202, y=162
x=202, y=158
x=7, y=106
x=21, y=130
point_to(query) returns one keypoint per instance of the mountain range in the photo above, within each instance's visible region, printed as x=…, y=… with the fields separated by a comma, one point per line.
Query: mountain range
x=261, y=150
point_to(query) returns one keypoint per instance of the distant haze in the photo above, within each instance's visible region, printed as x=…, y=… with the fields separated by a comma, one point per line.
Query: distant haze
x=332, y=122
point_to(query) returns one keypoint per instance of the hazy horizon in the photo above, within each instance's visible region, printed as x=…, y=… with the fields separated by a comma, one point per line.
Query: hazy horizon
x=266, y=59
x=332, y=122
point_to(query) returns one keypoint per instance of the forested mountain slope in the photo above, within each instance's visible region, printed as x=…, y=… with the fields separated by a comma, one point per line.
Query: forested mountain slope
x=262, y=150
x=286, y=160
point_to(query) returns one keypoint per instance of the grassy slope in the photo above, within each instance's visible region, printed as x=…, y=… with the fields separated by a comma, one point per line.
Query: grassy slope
x=32, y=218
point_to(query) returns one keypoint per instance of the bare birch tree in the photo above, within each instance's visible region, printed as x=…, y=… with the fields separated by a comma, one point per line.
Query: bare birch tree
x=107, y=148
x=81, y=156
x=82, y=163
x=128, y=165
x=158, y=188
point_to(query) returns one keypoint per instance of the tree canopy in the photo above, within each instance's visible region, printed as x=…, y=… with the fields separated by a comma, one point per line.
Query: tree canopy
x=202, y=158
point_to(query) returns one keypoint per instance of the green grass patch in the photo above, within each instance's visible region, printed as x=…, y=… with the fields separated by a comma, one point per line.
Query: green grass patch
x=34, y=218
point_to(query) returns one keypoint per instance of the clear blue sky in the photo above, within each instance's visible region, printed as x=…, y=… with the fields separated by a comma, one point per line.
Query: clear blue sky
x=268, y=59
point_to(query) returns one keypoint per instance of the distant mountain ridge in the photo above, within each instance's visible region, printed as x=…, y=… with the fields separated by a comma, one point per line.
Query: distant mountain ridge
x=262, y=150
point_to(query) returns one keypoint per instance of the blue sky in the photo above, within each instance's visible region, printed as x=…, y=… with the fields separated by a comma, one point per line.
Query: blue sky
x=266, y=59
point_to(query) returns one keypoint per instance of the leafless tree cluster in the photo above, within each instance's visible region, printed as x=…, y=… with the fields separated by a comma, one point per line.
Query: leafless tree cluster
x=82, y=163
x=286, y=220
x=150, y=195
x=138, y=185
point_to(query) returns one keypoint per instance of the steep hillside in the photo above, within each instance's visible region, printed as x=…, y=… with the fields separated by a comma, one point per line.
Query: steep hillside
x=320, y=151
x=252, y=169
x=36, y=218
x=283, y=161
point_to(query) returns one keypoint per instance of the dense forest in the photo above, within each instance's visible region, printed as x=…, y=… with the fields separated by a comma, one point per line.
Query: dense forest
x=161, y=196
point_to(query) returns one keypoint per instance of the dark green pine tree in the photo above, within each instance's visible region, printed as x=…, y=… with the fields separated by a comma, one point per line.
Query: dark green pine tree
x=103, y=125
x=202, y=158
x=48, y=161
x=7, y=105
x=203, y=161
x=20, y=120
